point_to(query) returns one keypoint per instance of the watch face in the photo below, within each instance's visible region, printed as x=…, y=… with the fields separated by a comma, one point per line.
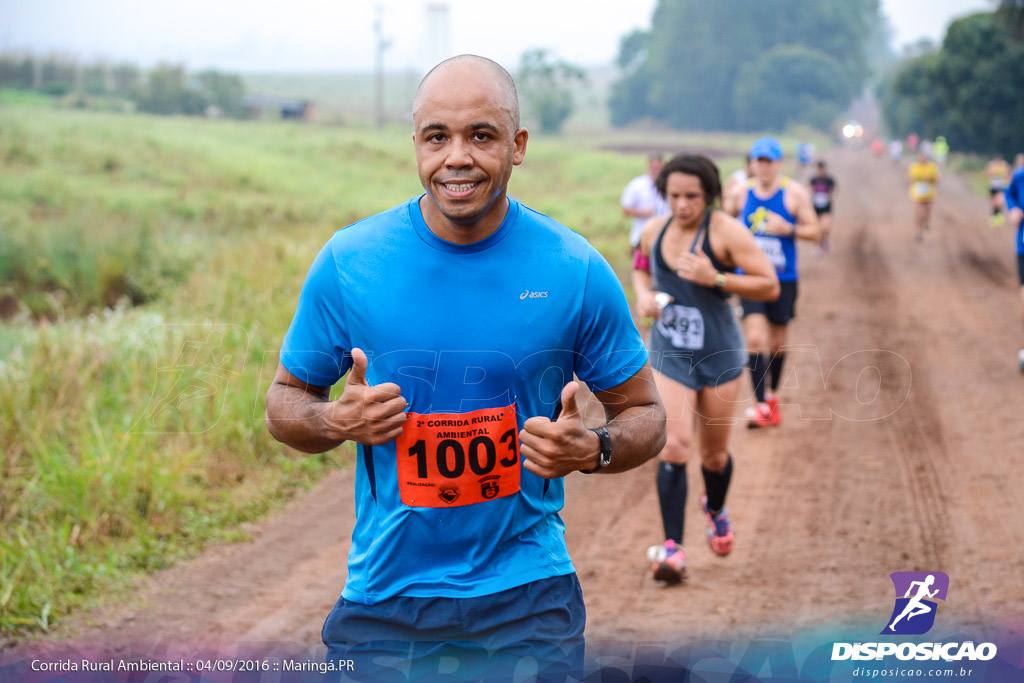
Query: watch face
x=606, y=446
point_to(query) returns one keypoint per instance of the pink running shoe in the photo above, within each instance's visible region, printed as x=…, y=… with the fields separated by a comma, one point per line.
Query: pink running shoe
x=668, y=562
x=719, y=531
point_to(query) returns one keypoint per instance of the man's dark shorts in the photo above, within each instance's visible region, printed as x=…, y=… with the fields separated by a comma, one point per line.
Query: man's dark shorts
x=778, y=312
x=1020, y=268
x=535, y=629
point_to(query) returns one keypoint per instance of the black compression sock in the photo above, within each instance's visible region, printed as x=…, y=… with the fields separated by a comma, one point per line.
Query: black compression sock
x=672, y=490
x=717, y=484
x=775, y=367
x=758, y=370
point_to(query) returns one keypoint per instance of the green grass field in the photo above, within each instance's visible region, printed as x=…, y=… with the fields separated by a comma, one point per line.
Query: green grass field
x=350, y=98
x=148, y=270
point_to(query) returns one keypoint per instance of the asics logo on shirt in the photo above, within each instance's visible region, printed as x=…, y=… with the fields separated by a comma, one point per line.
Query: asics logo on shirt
x=533, y=295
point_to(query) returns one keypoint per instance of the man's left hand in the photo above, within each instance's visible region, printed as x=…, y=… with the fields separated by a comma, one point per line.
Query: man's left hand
x=554, y=448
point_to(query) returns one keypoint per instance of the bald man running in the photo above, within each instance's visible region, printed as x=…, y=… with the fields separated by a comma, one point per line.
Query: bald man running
x=460, y=317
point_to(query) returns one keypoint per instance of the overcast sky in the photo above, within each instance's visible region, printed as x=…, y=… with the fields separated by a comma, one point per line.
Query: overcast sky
x=338, y=35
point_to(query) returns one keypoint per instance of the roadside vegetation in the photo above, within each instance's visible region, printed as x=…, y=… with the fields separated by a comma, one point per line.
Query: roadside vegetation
x=149, y=267
x=965, y=89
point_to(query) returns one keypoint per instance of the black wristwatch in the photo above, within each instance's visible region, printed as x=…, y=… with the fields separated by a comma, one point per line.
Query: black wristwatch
x=606, y=450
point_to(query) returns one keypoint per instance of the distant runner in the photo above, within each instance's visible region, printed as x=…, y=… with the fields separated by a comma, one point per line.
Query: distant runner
x=998, y=173
x=804, y=155
x=913, y=139
x=896, y=151
x=641, y=201
x=738, y=178
x=822, y=188
x=941, y=150
x=924, y=176
x=1015, y=213
x=778, y=211
x=688, y=262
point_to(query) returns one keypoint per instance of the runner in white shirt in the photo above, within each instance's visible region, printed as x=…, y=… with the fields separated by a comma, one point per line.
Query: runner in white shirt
x=738, y=178
x=641, y=200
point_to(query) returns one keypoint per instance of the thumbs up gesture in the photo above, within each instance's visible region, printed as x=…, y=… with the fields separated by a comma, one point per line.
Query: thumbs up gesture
x=554, y=448
x=370, y=415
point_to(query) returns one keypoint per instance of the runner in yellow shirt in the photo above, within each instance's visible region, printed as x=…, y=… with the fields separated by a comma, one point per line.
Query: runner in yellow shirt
x=924, y=176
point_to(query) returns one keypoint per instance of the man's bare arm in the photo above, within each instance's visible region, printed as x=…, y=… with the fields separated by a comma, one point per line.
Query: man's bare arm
x=799, y=204
x=636, y=421
x=302, y=416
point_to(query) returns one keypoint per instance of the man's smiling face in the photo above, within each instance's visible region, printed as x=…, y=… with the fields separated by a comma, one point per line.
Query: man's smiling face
x=466, y=144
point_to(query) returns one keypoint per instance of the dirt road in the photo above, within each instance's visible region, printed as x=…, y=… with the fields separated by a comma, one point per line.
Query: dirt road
x=901, y=450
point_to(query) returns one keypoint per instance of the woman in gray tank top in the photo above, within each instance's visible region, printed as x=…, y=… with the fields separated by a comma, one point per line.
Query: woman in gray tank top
x=683, y=273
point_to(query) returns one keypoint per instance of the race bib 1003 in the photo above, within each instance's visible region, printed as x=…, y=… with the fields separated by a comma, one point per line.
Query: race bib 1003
x=453, y=459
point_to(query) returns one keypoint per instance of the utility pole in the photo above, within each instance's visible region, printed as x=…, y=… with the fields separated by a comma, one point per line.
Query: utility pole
x=438, y=36
x=382, y=45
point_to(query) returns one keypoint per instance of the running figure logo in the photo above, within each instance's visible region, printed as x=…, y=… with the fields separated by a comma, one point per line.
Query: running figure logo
x=758, y=219
x=914, y=613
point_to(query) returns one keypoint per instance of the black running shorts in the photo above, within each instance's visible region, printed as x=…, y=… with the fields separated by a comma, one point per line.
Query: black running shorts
x=778, y=312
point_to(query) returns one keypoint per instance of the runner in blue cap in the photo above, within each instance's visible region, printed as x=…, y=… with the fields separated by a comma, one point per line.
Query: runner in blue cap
x=778, y=210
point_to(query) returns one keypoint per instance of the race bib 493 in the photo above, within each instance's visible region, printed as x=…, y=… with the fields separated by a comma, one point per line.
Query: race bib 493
x=452, y=459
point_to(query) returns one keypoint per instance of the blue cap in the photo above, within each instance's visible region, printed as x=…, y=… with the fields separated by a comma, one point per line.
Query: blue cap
x=766, y=148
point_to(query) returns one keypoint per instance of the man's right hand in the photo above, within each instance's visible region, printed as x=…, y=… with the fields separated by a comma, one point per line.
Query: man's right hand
x=370, y=415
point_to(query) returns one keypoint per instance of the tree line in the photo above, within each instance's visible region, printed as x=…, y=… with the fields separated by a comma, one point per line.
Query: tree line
x=165, y=89
x=969, y=89
x=746, y=64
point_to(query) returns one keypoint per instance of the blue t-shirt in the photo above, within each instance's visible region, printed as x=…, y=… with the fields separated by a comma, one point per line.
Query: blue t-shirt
x=780, y=249
x=1015, y=199
x=507, y=319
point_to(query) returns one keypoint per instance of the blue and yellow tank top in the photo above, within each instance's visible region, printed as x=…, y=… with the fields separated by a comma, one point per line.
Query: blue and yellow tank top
x=780, y=249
